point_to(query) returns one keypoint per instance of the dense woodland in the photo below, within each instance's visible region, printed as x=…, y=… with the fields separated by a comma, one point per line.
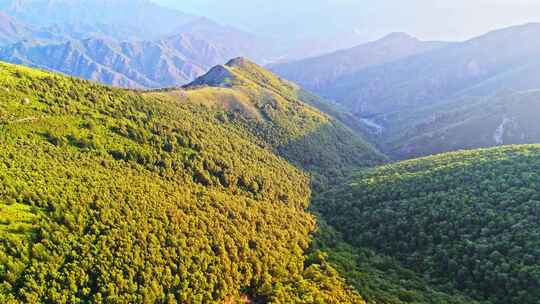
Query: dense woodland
x=464, y=220
x=111, y=196
x=202, y=195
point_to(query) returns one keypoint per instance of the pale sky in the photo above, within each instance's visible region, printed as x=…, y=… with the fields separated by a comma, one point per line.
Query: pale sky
x=368, y=19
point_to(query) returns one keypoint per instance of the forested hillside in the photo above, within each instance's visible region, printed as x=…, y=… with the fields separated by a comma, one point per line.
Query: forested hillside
x=278, y=115
x=113, y=196
x=465, y=221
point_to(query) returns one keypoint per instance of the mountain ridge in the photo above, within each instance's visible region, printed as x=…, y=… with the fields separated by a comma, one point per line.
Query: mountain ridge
x=333, y=147
x=169, y=62
x=443, y=74
x=319, y=73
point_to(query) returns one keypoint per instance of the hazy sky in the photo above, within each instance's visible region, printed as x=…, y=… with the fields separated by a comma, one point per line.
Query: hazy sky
x=427, y=19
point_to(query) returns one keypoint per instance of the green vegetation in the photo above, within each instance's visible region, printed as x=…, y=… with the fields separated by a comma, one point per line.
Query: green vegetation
x=378, y=278
x=17, y=220
x=200, y=195
x=112, y=196
x=465, y=221
x=277, y=114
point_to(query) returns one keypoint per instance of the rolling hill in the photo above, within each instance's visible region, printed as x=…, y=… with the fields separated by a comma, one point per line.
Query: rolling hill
x=320, y=74
x=465, y=220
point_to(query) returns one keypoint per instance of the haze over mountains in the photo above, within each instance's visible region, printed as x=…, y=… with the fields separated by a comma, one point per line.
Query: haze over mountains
x=386, y=82
x=502, y=59
x=148, y=20
x=414, y=96
x=168, y=62
x=320, y=74
x=153, y=47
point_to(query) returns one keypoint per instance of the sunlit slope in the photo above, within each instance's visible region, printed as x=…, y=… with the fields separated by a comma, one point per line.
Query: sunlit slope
x=466, y=220
x=279, y=115
x=112, y=196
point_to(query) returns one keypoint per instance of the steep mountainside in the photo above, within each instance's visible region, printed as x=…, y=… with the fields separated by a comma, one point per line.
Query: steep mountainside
x=277, y=112
x=503, y=59
x=320, y=74
x=115, y=196
x=506, y=118
x=173, y=61
x=464, y=220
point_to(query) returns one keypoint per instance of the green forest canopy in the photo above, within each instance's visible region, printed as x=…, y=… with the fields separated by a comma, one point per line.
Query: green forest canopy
x=112, y=196
x=466, y=220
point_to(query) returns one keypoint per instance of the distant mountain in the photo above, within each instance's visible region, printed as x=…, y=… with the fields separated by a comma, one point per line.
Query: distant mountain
x=227, y=37
x=503, y=59
x=172, y=61
x=78, y=31
x=146, y=19
x=320, y=74
x=466, y=123
x=12, y=30
x=72, y=38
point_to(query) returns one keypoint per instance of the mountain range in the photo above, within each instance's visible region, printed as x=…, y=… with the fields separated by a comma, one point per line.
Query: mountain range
x=502, y=59
x=172, y=61
x=321, y=74
x=143, y=17
x=162, y=48
x=433, y=97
